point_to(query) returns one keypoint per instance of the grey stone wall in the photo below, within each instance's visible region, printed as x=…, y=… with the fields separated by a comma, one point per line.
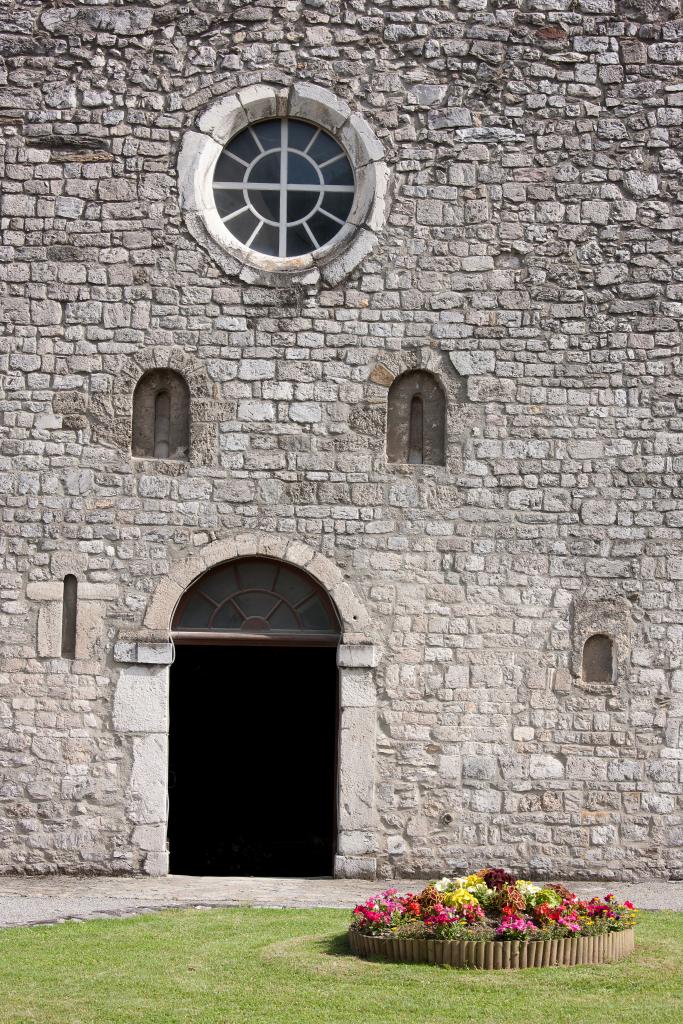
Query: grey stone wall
x=532, y=258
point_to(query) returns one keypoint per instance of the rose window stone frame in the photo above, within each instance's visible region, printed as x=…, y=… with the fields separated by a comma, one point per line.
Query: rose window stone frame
x=222, y=122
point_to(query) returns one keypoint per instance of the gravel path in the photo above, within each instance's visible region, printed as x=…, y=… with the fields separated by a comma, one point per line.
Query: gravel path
x=26, y=901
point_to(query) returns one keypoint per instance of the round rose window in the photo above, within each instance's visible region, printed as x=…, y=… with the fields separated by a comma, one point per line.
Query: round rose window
x=283, y=187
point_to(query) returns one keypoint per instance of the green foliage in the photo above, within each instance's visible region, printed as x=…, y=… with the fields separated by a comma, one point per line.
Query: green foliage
x=294, y=967
x=548, y=896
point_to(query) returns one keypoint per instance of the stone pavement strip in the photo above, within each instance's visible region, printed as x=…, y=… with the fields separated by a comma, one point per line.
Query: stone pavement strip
x=42, y=900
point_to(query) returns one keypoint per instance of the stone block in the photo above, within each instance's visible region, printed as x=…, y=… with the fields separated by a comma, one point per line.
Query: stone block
x=255, y=412
x=546, y=766
x=224, y=119
x=480, y=767
x=50, y=630
x=305, y=412
x=125, y=651
x=450, y=117
x=674, y=567
x=325, y=572
x=263, y=101
x=154, y=653
x=149, y=779
x=641, y=185
x=90, y=629
x=604, y=835
x=373, y=196
x=156, y=865
x=299, y=554
x=313, y=103
x=597, y=512
x=247, y=543
x=353, y=613
x=70, y=21
x=360, y=656
x=64, y=562
x=61, y=96
x=489, y=135
x=97, y=591
x=461, y=173
x=381, y=376
x=196, y=161
x=396, y=845
x=161, y=607
x=150, y=838
x=490, y=389
x=357, y=769
x=357, y=688
x=450, y=767
x=357, y=844
x=355, y=867
x=595, y=211
x=272, y=547
x=141, y=700
x=362, y=245
x=486, y=801
x=473, y=363
x=69, y=207
x=427, y=94
x=46, y=313
x=51, y=590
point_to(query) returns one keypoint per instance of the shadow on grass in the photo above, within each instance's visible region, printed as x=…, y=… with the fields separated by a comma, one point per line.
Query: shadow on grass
x=335, y=945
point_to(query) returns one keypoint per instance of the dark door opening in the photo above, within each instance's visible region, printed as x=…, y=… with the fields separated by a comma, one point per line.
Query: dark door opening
x=252, y=760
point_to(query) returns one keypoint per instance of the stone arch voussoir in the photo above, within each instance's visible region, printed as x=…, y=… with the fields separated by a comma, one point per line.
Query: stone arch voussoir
x=394, y=364
x=353, y=614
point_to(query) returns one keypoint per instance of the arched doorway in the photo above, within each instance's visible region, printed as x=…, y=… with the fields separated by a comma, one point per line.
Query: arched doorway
x=254, y=723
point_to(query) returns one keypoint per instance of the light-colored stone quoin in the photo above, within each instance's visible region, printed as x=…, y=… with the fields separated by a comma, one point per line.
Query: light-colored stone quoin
x=516, y=232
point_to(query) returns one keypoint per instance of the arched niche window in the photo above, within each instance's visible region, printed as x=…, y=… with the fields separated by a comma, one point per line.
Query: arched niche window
x=416, y=420
x=161, y=416
x=598, y=658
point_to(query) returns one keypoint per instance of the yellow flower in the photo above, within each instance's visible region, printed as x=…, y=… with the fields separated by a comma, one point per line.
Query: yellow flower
x=458, y=898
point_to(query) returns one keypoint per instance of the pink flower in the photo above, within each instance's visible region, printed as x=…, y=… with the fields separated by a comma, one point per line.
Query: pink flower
x=572, y=925
x=515, y=926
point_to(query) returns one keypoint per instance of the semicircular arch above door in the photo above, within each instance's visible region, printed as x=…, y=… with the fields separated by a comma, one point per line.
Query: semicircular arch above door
x=256, y=599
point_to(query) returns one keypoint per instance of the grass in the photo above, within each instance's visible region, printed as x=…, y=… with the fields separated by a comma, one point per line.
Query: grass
x=250, y=966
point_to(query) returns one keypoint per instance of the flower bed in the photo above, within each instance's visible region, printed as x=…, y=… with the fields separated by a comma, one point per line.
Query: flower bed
x=490, y=919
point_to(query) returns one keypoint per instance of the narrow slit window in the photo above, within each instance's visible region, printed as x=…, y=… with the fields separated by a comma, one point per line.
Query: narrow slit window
x=598, y=659
x=416, y=420
x=416, y=432
x=162, y=425
x=69, y=616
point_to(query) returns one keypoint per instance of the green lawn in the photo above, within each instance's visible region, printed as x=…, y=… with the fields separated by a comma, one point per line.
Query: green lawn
x=249, y=966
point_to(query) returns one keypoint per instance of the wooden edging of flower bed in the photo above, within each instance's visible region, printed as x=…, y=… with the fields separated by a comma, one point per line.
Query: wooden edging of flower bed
x=497, y=954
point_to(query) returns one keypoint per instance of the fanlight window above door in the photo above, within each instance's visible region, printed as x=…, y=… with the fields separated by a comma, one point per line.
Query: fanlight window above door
x=256, y=598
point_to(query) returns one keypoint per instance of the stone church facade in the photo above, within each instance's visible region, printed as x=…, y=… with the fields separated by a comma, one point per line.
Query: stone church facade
x=366, y=316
